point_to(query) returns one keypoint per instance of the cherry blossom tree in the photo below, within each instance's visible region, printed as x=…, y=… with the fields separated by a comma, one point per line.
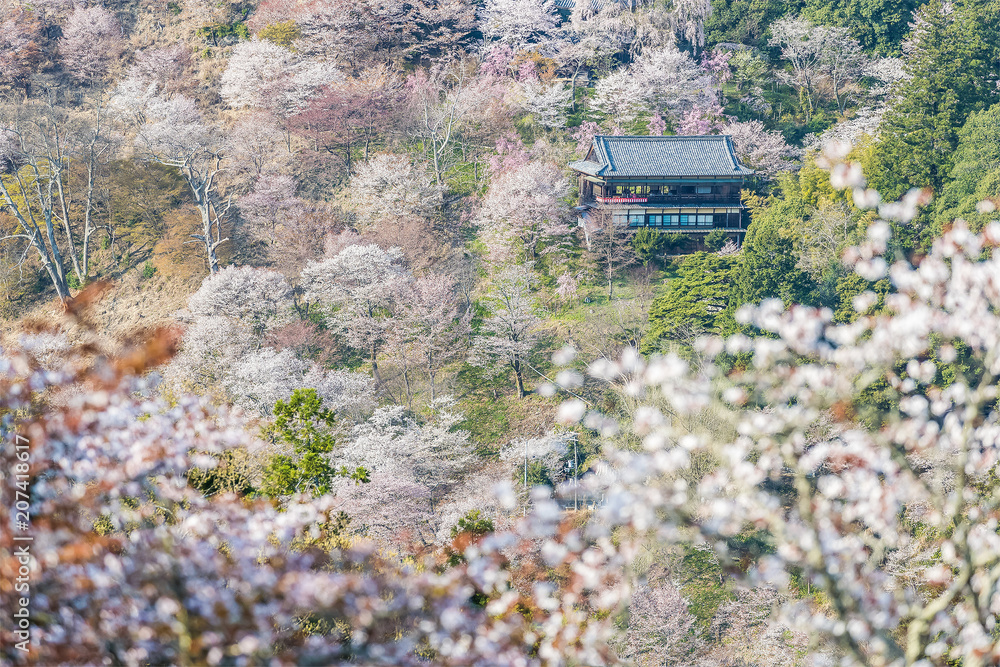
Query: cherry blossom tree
x=350, y=112
x=392, y=510
x=257, y=380
x=750, y=632
x=842, y=60
x=507, y=336
x=547, y=102
x=432, y=456
x=167, y=67
x=92, y=42
x=764, y=151
x=263, y=75
x=430, y=327
x=701, y=120
x=256, y=298
x=20, y=45
x=584, y=136
x=594, y=33
x=661, y=630
x=359, y=284
x=390, y=186
x=223, y=349
x=271, y=205
x=438, y=101
x=524, y=206
x=664, y=80
x=255, y=144
x=804, y=46
x=511, y=155
x=688, y=20
x=517, y=22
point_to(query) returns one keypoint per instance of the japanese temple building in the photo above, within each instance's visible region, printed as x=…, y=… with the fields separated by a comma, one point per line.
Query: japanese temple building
x=687, y=184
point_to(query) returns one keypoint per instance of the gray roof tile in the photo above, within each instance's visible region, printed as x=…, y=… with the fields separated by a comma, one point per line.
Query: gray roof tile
x=623, y=156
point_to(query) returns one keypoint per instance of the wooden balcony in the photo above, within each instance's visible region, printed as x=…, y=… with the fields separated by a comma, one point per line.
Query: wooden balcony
x=653, y=200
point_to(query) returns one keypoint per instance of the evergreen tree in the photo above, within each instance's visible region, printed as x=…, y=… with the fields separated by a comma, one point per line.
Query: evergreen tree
x=303, y=423
x=953, y=68
x=768, y=264
x=696, y=300
x=879, y=25
x=976, y=174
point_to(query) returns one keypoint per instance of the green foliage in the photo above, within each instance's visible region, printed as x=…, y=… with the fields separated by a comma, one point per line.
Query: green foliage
x=229, y=475
x=695, y=302
x=880, y=26
x=850, y=286
x=650, y=243
x=715, y=239
x=674, y=241
x=647, y=243
x=307, y=426
x=953, y=74
x=745, y=21
x=767, y=266
x=700, y=575
x=474, y=524
x=174, y=8
x=469, y=528
x=976, y=174
x=749, y=69
x=538, y=474
x=283, y=33
x=218, y=32
x=72, y=281
x=148, y=270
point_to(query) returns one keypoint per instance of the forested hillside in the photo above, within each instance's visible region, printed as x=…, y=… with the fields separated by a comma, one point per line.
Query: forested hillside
x=311, y=355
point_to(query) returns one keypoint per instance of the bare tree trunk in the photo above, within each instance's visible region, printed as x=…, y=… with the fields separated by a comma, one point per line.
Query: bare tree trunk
x=406, y=381
x=518, y=378
x=431, y=373
x=375, y=374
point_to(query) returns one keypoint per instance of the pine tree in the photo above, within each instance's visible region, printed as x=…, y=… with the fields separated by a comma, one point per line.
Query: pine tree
x=768, y=264
x=953, y=55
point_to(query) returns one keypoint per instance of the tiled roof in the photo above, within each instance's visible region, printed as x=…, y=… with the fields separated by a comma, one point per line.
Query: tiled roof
x=587, y=167
x=623, y=156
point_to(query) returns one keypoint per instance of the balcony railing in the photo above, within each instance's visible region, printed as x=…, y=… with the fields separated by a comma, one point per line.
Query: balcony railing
x=669, y=199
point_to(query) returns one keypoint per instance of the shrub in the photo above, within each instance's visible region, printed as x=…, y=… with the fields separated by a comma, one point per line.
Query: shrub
x=715, y=239
x=282, y=33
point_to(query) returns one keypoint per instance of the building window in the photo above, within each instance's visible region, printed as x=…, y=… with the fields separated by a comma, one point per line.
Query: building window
x=704, y=219
x=635, y=220
x=671, y=220
x=684, y=219
x=654, y=220
x=704, y=189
